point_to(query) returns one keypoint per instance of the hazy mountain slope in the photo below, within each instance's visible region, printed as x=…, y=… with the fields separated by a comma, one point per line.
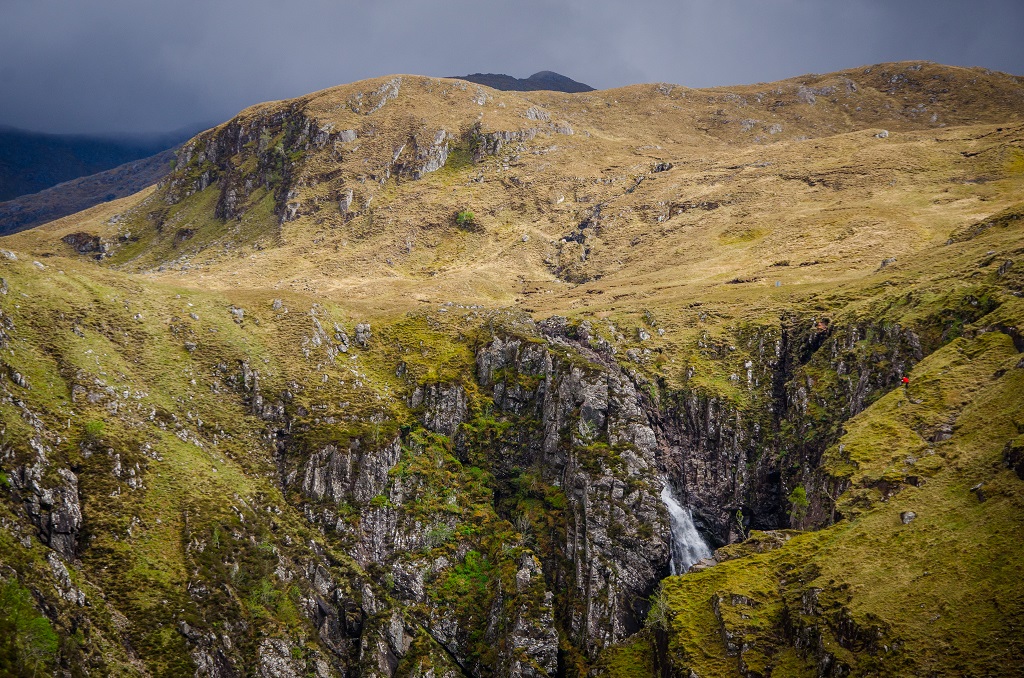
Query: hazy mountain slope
x=33, y=161
x=78, y=194
x=388, y=380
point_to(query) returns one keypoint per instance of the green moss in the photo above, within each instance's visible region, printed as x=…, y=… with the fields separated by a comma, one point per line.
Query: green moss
x=93, y=430
x=632, y=659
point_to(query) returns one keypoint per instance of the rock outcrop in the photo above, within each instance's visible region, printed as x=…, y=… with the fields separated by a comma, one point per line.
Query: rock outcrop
x=55, y=511
x=591, y=440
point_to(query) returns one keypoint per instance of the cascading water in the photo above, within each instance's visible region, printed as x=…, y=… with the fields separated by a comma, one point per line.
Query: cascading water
x=687, y=545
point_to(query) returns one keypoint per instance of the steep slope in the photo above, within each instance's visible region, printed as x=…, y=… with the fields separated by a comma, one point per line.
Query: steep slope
x=919, y=576
x=389, y=379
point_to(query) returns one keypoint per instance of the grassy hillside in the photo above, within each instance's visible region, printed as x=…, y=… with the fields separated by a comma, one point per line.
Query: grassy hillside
x=387, y=380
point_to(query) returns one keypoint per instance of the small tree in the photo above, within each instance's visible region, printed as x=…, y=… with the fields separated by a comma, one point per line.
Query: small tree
x=739, y=523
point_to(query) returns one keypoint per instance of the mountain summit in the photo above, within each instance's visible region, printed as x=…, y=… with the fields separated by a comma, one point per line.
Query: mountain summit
x=542, y=80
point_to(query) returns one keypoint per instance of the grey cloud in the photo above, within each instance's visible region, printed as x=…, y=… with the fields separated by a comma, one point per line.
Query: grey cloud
x=145, y=66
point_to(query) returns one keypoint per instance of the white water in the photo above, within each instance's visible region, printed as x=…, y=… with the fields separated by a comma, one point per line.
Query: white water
x=687, y=545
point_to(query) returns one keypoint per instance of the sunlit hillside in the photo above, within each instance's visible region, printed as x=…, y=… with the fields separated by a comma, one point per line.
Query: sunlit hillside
x=389, y=380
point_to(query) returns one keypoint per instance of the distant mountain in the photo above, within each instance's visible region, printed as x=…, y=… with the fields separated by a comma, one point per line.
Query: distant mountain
x=78, y=194
x=544, y=80
x=33, y=161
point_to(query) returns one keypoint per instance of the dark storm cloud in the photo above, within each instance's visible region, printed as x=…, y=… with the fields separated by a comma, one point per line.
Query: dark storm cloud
x=143, y=66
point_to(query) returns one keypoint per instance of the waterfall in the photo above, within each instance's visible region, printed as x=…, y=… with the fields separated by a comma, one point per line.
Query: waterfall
x=687, y=545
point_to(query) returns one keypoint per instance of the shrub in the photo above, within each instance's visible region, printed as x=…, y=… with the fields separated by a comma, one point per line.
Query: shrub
x=439, y=534
x=93, y=429
x=798, y=497
x=263, y=597
x=467, y=220
x=798, y=502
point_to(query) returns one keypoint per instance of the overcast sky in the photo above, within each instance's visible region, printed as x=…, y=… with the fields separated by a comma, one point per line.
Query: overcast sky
x=141, y=66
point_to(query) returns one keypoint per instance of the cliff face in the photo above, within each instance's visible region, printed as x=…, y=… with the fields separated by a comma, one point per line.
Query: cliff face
x=737, y=465
x=784, y=600
x=584, y=431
